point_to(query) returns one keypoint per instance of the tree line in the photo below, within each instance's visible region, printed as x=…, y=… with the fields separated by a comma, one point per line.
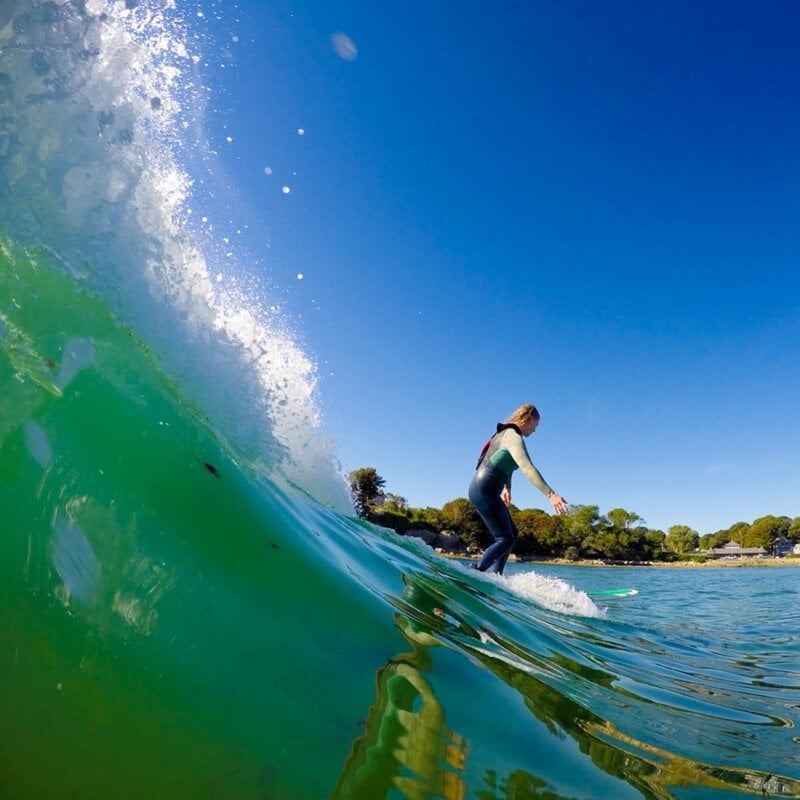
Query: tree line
x=582, y=533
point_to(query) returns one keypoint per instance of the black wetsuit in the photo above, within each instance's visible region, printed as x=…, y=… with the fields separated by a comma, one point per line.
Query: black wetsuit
x=504, y=453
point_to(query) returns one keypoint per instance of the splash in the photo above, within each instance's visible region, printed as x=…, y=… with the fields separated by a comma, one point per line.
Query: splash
x=99, y=104
x=552, y=593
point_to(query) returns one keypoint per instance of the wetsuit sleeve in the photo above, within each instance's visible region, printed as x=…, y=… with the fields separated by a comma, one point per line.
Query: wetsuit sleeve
x=516, y=447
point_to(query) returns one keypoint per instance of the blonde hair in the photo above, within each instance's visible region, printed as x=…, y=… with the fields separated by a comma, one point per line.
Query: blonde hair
x=523, y=414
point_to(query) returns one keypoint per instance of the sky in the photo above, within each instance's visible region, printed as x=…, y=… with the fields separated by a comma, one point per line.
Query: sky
x=591, y=206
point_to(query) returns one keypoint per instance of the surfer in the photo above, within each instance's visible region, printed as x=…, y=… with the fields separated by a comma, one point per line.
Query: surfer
x=490, y=489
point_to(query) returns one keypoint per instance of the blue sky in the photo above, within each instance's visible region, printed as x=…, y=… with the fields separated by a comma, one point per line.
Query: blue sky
x=589, y=206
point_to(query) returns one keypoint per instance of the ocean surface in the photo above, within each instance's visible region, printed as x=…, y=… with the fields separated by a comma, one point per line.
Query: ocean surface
x=189, y=609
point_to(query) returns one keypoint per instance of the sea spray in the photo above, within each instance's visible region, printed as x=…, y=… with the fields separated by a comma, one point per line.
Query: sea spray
x=553, y=593
x=99, y=103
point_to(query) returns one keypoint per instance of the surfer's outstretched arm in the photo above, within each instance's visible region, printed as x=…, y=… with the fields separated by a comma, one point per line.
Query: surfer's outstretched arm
x=519, y=453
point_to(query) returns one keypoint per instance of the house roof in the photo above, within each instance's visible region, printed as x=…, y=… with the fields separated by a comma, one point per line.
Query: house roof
x=744, y=551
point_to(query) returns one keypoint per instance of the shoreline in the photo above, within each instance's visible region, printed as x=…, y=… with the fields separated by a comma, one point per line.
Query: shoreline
x=726, y=563
x=718, y=563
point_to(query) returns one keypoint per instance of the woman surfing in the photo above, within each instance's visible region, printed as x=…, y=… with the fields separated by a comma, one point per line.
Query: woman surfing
x=490, y=489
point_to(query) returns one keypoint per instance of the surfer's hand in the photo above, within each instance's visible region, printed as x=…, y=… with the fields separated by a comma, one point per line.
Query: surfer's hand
x=558, y=502
x=505, y=496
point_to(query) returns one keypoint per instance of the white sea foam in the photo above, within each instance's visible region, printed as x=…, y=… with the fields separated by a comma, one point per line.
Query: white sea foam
x=100, y=104
x=552, y=593
x=548, y=592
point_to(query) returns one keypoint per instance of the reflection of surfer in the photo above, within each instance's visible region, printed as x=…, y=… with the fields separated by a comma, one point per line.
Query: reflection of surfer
x=490, y=489
x=407, y=746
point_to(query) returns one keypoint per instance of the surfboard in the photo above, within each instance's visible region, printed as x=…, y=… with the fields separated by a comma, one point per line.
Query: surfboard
x=613, y=592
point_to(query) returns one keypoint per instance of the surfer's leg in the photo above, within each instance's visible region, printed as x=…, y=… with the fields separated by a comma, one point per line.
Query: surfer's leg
x=484, y=494
x=495, y=515
x=499, y=523
x=501, y=562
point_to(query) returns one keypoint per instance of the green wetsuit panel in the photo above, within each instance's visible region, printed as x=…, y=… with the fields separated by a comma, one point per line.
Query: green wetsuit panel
x=507, y=452
x=503, y=460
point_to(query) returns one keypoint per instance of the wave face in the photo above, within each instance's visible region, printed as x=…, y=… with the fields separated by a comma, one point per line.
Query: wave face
x=98, y=102
x=188, y=608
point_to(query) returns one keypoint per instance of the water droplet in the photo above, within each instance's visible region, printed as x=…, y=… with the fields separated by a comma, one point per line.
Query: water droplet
x=344, y=47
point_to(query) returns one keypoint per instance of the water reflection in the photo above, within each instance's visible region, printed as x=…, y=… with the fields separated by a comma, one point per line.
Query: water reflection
x=654, y=771
x=409, y=750
x=407, y=745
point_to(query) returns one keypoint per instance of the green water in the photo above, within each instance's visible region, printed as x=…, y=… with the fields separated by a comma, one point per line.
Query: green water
x=177, y=624
x=162, y=648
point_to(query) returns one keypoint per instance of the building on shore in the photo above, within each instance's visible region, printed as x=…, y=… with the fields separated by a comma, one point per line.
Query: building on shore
x=734, y=550
x=784, y=547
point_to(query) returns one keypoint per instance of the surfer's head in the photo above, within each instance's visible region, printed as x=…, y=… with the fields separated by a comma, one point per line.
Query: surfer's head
x=526, y=418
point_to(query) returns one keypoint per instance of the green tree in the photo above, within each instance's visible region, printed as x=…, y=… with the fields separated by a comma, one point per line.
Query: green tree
x=655, y=543
x=645, y=544
x=736, y=533
x=572, y=554
x=550, y=534
x=538, y=531
x=365, y=488
x=607, y=544
x=765, y=530
x=581, y=532
x=681, y=539
x=622, y=519
x=623, y=545
x=394, y=502
x=428, y=517
x=460, y=516
x=579, y=527
x=387, y=518
x=720, y=538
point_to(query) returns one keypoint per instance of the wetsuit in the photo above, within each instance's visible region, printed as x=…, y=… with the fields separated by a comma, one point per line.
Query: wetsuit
x=503, y=453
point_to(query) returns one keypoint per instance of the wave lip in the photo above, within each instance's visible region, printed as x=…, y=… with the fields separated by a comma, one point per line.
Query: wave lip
x=100, y=104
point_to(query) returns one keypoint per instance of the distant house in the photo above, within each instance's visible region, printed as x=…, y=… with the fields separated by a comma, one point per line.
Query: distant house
x=733, y=550
x=783, y=547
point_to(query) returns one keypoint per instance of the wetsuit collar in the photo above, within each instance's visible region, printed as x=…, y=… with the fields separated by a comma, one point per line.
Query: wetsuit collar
x=501, y=426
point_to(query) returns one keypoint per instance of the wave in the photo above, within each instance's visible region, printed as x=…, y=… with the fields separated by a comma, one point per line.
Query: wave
x=95, y=102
